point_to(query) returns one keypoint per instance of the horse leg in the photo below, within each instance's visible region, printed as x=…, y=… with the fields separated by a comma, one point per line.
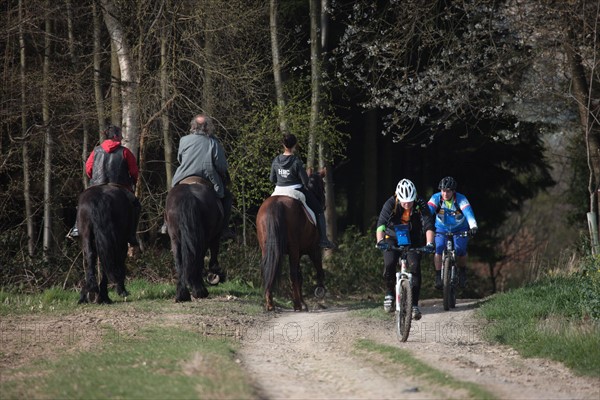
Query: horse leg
x=269, y=299
x=296, y=281
x=91, y=285
x=121, y=291
x=196, y=279
x=316, y=256
x=103, y=295
x=215, y=274
x=182, y=294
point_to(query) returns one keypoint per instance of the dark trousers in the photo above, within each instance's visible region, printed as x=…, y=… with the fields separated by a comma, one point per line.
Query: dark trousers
x=390, y=264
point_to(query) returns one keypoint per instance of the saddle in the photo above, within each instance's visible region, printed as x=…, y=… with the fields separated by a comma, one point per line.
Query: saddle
x=197, y=180
x=194, y=180
x=298, y=195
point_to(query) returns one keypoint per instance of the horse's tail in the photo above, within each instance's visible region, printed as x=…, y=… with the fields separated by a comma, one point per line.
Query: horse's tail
x=275, y=245
x=191, y=237
x=110, y=239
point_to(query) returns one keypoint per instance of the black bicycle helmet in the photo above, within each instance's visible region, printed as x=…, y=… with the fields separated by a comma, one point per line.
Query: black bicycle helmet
x=448, y=183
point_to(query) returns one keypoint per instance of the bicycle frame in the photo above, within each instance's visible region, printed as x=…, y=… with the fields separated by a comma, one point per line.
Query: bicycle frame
x=403, y=275
x=449, y=259
x=404, y=291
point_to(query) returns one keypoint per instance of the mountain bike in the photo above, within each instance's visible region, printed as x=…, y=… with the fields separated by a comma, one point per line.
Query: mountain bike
x=450, y=270
x=404, y=289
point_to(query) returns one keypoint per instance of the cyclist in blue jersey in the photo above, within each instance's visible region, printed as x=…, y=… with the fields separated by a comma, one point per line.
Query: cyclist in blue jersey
x=453, y=213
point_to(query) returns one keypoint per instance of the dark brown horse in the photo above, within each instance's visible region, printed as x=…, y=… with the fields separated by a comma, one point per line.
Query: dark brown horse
x=282, y=227
x=104, y=217
x=194, y=218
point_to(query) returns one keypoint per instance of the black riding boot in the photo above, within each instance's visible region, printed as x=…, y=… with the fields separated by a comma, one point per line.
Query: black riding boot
x=322, y=227
x=137, y=208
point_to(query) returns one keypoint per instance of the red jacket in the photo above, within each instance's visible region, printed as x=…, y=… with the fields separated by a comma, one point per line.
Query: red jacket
x=109, y=145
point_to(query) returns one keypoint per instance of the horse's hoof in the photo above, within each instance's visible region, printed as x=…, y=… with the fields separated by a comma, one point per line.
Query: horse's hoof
x=93, y=297
x=320, y=292
x=200, y=293
x=183, y=298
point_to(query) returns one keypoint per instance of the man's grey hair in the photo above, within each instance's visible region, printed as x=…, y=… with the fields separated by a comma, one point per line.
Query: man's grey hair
x=207, y=126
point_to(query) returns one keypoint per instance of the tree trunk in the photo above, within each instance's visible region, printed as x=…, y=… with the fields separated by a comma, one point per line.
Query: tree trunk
x=315, y=81
x=116, y=115
x=80, y=90
x=277, y=67
x=370, y=168
x=591, y=131
x=164, y=94
x=48, y=142
x=101, y=114
x=129, y=84
x=207, y=86
x=24, y=134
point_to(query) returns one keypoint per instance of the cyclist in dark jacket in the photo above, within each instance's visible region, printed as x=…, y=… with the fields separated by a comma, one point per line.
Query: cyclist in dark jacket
x=288, y=170
x=410, y=214
x=114, y=163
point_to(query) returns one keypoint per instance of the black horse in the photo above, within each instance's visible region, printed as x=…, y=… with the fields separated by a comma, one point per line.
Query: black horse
x=105, y=217
x=282, y=227
x=194, y=217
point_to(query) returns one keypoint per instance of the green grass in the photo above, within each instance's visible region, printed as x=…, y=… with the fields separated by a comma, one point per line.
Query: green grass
x=555, y=318
x=156, y=363
x=56, y=300
x=421, y=370
x=166, y=353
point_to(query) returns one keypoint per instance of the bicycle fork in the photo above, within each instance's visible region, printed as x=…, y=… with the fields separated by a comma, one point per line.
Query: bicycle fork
x=401, y=276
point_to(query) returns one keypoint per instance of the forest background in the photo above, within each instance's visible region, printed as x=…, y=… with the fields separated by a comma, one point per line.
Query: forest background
x=502, y=95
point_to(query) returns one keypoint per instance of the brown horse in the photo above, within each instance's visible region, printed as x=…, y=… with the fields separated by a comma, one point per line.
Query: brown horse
x=194, y=218
x=282, y=227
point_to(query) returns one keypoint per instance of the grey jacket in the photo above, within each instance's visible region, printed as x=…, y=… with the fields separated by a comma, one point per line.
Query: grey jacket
x=202, y=155
x=287, y=171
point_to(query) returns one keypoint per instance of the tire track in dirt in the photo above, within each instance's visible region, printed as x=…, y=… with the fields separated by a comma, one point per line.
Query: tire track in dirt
x=311, y=355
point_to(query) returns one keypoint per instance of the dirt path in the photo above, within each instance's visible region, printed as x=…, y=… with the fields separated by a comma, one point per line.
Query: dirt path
x=311, y=355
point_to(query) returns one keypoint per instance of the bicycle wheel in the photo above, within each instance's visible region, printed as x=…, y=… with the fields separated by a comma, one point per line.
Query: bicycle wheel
x=404, y=312
x=447, y=283
x=453, y=284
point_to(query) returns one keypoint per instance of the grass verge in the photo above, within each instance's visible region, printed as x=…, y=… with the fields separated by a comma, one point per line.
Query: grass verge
x=554, y=318
x=421, y=370
x=139, y=347
x=156, y=363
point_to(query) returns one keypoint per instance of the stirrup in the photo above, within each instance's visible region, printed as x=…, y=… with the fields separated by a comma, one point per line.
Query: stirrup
x=163, y=229
x=73, y=233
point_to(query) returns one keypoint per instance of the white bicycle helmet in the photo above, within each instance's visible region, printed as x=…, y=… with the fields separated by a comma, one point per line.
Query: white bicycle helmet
x=406, y=191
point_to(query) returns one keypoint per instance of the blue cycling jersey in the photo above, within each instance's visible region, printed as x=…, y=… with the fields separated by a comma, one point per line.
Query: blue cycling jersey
x=455, y=215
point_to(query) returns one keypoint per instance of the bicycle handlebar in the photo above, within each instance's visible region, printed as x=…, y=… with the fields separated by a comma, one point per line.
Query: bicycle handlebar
x=407, y=249
x=460, y=234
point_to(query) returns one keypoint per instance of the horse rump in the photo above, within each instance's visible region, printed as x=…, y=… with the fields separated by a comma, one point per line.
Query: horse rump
x=186, y=217
x=104, y=217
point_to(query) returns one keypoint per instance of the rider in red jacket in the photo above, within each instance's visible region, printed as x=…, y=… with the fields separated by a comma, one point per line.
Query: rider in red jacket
x=113, y=163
